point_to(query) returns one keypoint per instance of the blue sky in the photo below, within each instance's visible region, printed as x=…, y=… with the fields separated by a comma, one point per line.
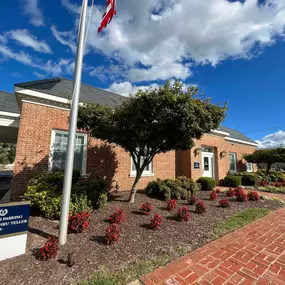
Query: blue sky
x=234, y=51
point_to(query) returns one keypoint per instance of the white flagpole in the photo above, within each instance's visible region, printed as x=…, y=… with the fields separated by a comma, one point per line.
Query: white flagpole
x=62, y=235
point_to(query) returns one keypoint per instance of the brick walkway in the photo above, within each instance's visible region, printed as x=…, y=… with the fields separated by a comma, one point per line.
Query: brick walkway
x=254, y=254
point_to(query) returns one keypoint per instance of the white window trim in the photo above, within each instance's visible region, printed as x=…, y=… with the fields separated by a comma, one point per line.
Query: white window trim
x=84, y=162
x=251, y=170
x=235, y=156
x=146, y=173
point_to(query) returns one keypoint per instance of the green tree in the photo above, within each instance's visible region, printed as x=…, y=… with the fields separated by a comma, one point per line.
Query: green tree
x=7, y=153
x=266, y=156
x=152, y=122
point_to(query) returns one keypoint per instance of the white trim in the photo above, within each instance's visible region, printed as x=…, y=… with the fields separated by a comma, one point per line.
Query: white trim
x=211, y=155
x=251, y=170
x=9, y=123
x=146, y=173
x=85, y=148
x=220, y=132
x=235, y=156
x=240, y=141
x=46, y=105
x=41, y=95
x=8, y=114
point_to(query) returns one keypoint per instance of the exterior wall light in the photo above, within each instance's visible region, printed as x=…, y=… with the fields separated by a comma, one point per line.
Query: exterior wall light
x=197, y=151
x=223, y=154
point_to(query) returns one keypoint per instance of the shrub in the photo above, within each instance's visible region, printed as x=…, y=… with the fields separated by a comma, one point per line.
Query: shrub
x=207, y=183
x=171, y=204
x=200, y=207
x=263, y=183
x=250, y=179
x=156, y=222
x=153, y=188
x=189, y=184
x=241, y=195
x=118, y=217
x=50, y=249
x=224, y=203
x=45, y=191
x=112, y=234
x=213, y=195
x=193, y=199
x=231, y=192
x=146, y=208
x=232, y=181
x=183, y=214
x=253, y=195
x=173, y=190
x=78, y=223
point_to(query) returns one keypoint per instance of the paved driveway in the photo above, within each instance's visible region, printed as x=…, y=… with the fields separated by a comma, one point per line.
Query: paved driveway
x=254, y=254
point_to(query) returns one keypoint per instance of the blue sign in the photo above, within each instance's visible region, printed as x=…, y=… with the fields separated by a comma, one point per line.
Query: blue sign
x=196, y=165
x=14, y=218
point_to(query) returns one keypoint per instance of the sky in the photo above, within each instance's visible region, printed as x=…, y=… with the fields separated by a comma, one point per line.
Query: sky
x=233, y=50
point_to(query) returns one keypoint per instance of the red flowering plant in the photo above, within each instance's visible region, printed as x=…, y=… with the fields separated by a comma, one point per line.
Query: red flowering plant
x=112, y=234
x=263, y=183
x=253, y=196
x=241, y=195
x=78, y=223
x=213, y=195
x=146, y=208
x=156, y=222
x=200, y=207
x=193, y=199
x=231, y=192
x=118, y=217
x=218, y=191
x=183, y=214
x=50, y=248
x=171, y=204
x=224, y=203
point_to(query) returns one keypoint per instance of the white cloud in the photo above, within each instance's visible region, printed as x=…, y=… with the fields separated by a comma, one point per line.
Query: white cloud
x=39, y=75
x=126, y=88
x=156, y=39
x=24, y=38
x=67, y=38
x=272, y=140
x=62, y=66
x=31, y=8
x=3, y=39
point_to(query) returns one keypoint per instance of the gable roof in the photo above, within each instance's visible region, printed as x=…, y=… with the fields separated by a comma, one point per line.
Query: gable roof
x=236, y=135
x=8, y=103
x=63, y=87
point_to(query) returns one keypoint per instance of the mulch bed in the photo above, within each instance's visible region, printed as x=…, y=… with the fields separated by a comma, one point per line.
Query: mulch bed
x=137, y=242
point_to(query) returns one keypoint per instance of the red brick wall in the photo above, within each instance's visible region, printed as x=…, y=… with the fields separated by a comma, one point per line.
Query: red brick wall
x=221, y=164
x=109, y=161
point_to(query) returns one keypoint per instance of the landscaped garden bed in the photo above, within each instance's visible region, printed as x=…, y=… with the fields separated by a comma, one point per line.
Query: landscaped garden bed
x=137, y=241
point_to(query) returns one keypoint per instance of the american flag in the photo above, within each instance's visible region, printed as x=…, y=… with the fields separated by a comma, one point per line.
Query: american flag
x=110, y=12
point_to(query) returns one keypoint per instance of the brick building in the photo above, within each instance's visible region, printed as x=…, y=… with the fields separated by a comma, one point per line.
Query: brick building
x=42, y=138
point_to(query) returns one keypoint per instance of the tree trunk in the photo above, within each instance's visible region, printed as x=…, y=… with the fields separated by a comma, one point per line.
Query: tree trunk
x=268, y=169
x=134, y=189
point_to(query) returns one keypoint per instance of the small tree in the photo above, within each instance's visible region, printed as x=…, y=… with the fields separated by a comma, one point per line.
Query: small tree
x=267, y=156
x=152, y=122
x=7, y=153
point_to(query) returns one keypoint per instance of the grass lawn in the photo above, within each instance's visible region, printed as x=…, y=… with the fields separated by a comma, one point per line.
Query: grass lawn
x=240, y=220
x=270, y=189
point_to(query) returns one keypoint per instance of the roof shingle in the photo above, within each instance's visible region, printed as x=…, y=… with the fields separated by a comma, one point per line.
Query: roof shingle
x=8, y=103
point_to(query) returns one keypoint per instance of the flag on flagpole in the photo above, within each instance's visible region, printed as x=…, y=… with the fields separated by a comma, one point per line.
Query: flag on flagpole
x=110, y=12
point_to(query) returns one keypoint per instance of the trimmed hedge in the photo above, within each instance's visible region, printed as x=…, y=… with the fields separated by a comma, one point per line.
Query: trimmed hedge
x=180, y=188
x=207, y=183
x=45, y=191
x=232, y=181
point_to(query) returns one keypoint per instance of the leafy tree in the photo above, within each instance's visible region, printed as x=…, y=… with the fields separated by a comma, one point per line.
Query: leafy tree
x=266, y=156
x=152, y=122
x=7, y=153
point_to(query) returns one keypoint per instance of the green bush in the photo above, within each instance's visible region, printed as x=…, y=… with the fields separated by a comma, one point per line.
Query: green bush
x=207, y=183
x=232, y=181
x=274, y=176
x=180, y=188
x=44, y=192
x=250, y=179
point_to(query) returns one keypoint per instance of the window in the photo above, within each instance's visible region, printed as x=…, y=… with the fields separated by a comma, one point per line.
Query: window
x=59, y=148
x=233, y=162
x=147, y=171
x=249, y=167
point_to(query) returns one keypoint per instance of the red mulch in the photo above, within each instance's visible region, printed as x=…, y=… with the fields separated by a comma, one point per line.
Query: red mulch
x=137, y=241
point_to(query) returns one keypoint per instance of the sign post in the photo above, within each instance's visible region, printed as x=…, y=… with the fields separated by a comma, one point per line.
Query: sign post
x=14, y=219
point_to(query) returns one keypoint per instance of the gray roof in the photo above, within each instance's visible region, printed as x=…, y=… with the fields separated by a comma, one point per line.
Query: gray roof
x=8, y=103
x=63, y=87
x=236, y=134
